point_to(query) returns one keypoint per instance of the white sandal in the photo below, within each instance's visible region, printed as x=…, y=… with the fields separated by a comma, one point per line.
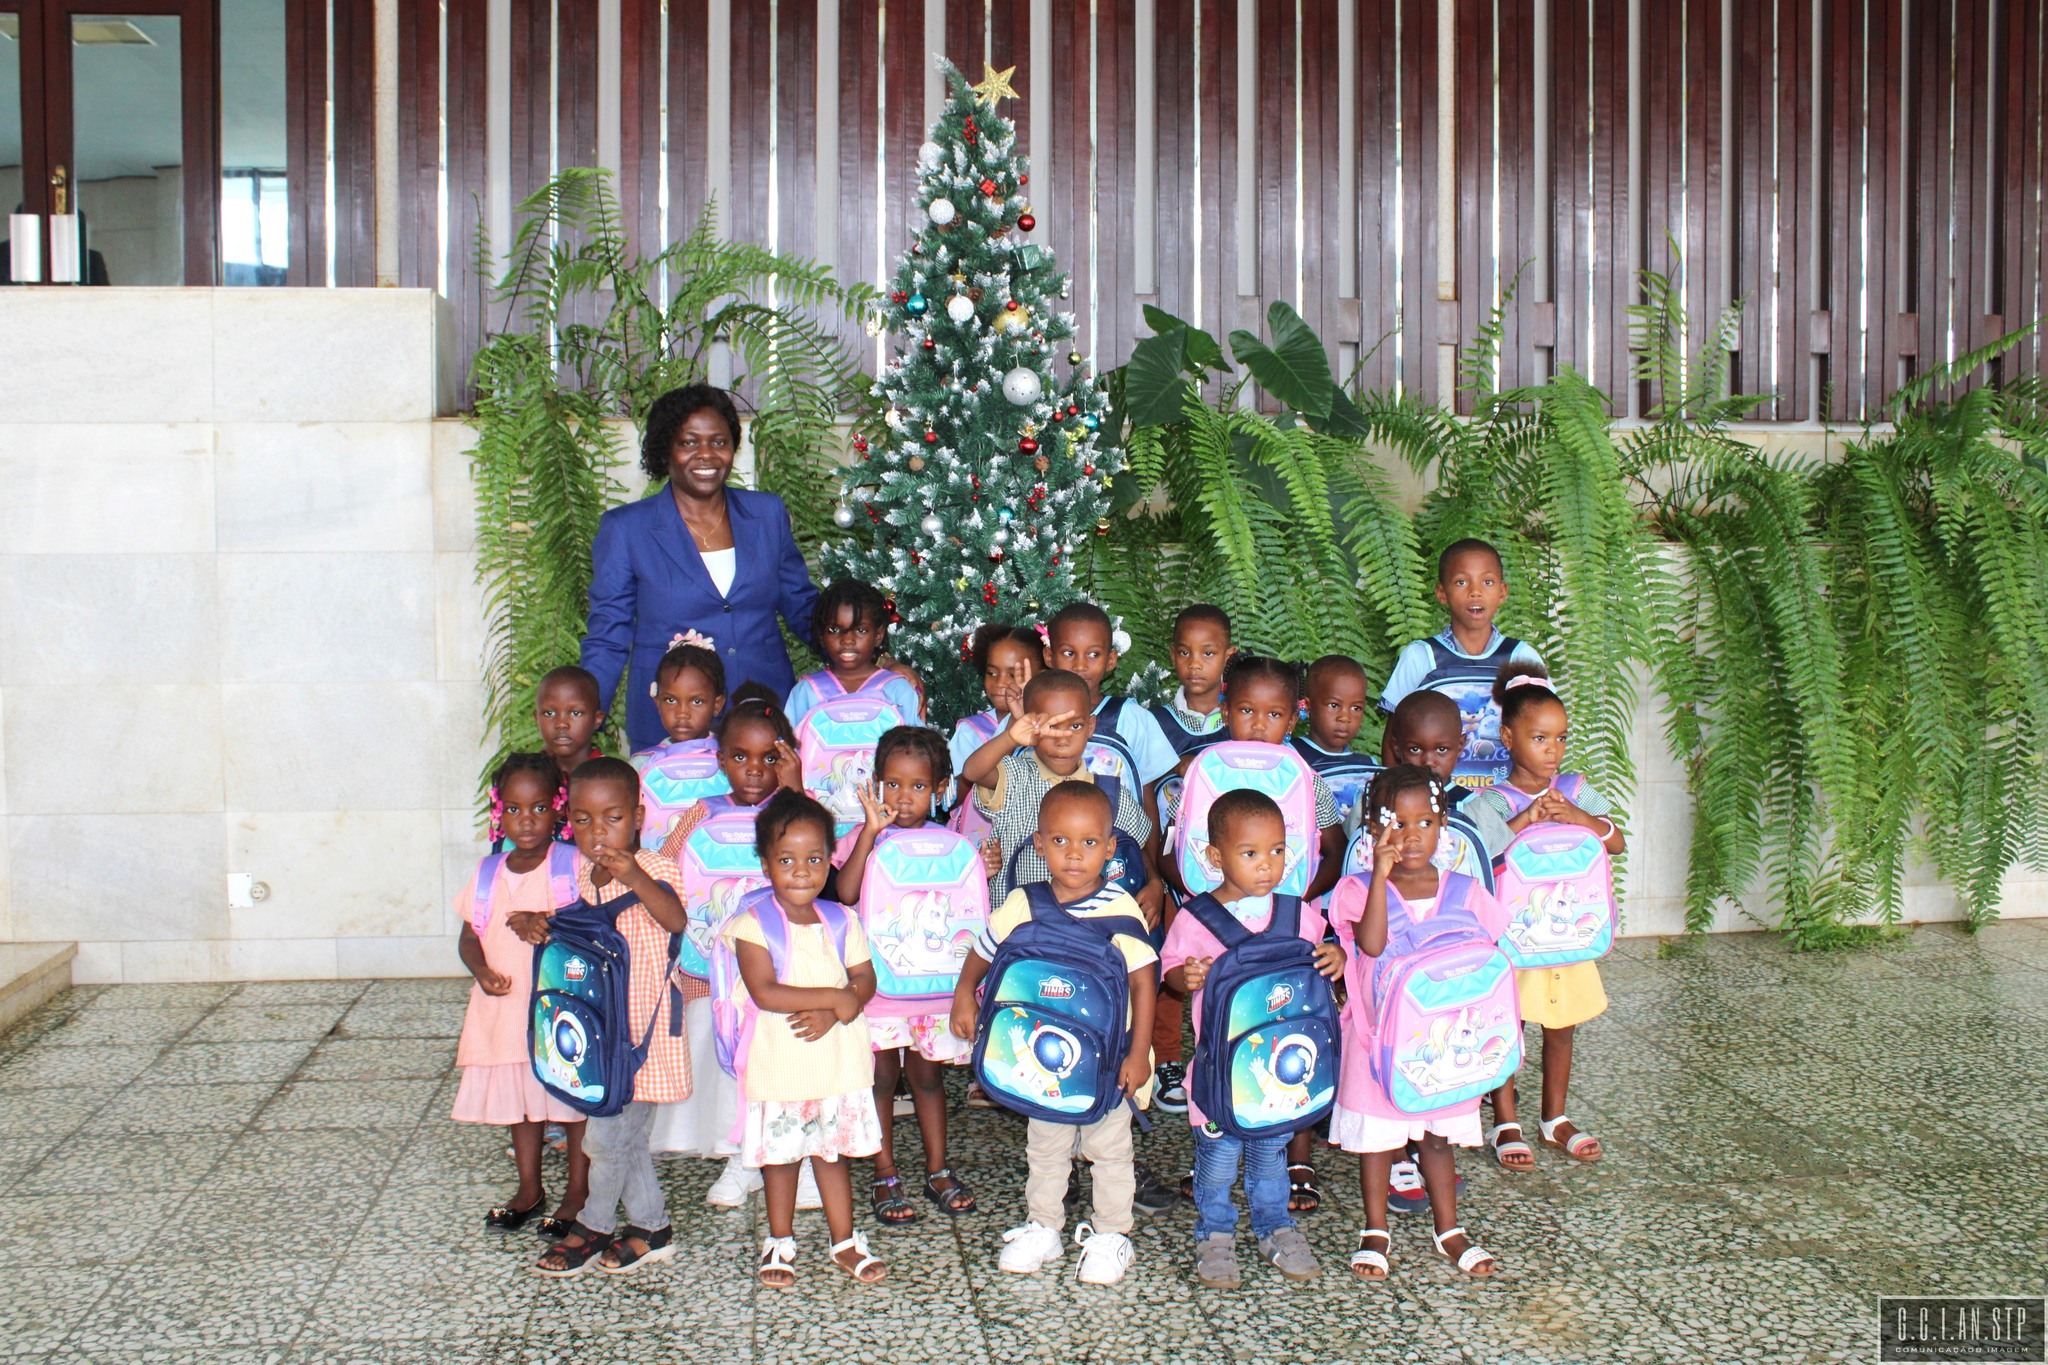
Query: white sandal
x=778, y=1253
x=1514, y=1144
x=859, y=1268
x=1472, y=1255
x=1574, y=1146
x=1365, y=1258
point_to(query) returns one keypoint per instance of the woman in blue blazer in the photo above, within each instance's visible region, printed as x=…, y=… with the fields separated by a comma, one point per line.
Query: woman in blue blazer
x=696, y=555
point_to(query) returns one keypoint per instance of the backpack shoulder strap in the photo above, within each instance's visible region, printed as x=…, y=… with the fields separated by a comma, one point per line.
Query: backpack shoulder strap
x=1517, y=799
x=486, y=890
x=1286, y=917
x=1221, y=924
x=1508, y=645
x=1107, y=717
x=1044, y=905
x=562, y=874
x=1570, y=785
x=1452, y=893
x=833, y=915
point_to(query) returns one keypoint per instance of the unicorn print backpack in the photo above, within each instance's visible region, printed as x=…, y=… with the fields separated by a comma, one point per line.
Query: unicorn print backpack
x=836, y=741
x=923, y=898
x=1274, y=769
x=1441, y=1016
x=676, y=778
x=1556, y=883
x=733, y=1011
x=719, y=869
x=1267, y=1060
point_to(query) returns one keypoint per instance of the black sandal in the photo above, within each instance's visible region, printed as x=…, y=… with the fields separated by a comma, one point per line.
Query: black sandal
x=576, y=1259
x=505, y=1218
x=956, y=1199
x=624, y=1261
x=555, y=1228
x=891, y=1208
x=1302, y=1194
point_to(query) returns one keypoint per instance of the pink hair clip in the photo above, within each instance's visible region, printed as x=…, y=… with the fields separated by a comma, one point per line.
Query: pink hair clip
x=690, y=637
x=1526, y=680
x=1044, y=635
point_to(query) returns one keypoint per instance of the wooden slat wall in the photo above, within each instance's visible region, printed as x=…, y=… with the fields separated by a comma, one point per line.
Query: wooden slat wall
x=1884, y=240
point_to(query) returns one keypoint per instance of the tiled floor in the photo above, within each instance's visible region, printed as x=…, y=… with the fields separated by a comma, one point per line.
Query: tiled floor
x=266, y=1172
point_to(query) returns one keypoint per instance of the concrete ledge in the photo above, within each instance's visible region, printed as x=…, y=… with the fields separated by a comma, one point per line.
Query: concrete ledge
x=30, y=974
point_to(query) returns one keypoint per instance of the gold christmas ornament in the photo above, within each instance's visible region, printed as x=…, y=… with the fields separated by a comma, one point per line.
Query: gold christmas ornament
x=1013, y=319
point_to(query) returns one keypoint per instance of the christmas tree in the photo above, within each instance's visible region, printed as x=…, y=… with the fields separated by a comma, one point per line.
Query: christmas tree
x=972, y=505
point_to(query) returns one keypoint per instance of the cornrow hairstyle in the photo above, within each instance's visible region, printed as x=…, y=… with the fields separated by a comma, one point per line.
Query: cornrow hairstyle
x=1466, y=547
x=704, y=660
x=541, y=766
x=1392, y=782
x=1047, y=681
x=669, y=413
x=869, y=607
x=605, y=770
x=755, y=701
x=1240, y=804
x=919, y=741
x=1079, y=614
x=1514, y=697
x=1242, y=668
x=784, y=809
x=1328, y=665
x=580, y=678
x=1204, y=613
x=994, y=633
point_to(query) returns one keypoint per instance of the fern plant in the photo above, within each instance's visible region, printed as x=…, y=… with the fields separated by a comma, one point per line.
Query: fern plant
x=591, y=330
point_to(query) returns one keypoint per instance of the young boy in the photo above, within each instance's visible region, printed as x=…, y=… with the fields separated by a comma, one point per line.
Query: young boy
x=568, y=710
x=1337, y=698
x=1080, y=639
x=1248, y=849
x=604, y=816
x=1073, y=840
x=1462, y=660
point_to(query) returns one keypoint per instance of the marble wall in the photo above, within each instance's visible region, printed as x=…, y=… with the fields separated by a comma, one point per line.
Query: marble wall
x=240, y=633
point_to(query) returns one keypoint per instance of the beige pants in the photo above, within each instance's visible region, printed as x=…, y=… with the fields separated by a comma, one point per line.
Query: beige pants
x=1051, y=1148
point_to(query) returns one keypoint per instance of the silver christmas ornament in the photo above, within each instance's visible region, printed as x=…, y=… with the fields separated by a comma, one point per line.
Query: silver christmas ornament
x=1001, y=536
x=842, y=516
x=1022, y=386
x=931, y=525
x=960, y=308
x=942, y=211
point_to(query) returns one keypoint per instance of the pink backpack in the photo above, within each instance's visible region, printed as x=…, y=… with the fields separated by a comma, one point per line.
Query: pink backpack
x=733, y=1011
x=1235, y=765
x=720, y=869
x=561, y=883
x=967, y=819
x=923, y=898
x=676, y=778
x=836, y=742
x=1556, y=884
x=1437, y=1015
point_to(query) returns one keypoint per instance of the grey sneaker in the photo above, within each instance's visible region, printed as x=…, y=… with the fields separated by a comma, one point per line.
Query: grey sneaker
x=1287, y=1251
x=1216, y=1261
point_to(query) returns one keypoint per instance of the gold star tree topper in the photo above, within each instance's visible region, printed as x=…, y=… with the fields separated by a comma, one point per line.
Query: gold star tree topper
x=995, y=85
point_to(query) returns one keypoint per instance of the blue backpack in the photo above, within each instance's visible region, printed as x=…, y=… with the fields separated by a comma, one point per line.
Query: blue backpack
x=1054, y=1014
x=1266, y=1063
x=578, y=1032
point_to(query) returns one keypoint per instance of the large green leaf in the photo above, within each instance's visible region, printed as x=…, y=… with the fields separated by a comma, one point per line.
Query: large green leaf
x=1294, y=368
x=1156, y=389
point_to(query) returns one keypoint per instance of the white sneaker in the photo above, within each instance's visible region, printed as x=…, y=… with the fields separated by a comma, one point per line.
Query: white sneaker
x=733, y=1186
x=1105, y=1256
x=1027, y=1249
x=807, y=1196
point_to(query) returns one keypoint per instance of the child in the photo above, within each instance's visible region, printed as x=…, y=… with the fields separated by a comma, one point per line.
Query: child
x=1005, y=658
x=808, y=1073
x=689, y=692
x=1073, y=842
x=498, y=1085
x=1193, y=720
x=757, y=754
x=1262, y=700
x=1404, y=813
x=1534, y=730
x=1462, y=659
x=1080, y=639
x=1039, y=749
x=568, y=709
x=1248, y=849
x=850, y=627
x=604, y=817
x=912, y=771
x=1336, y=695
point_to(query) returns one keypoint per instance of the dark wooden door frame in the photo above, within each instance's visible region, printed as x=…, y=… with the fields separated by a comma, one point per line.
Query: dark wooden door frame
x=35, y=166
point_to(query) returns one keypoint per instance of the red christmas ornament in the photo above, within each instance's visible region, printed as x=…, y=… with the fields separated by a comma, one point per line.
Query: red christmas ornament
x=1026, y=222
x=1028, y=446
x=1023, y=179
x=1011, y=305
x=996, y=555
x=930, y=345
x=931, y=438
x=1089, y=470
x=1073, y=411
x=900, y=297
x=988, y=186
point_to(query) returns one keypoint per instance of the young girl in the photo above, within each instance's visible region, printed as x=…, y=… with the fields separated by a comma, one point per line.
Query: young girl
x=1005, y=658
x=498, y=1086
x=1533, y=730
x=757, y=754
x=1405, y=814
x=912, y=772
x=809, y=1069
x=689, y=692
x=850, y=627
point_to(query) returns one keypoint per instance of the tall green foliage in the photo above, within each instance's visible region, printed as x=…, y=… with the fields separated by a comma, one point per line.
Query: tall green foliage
x=590, y=331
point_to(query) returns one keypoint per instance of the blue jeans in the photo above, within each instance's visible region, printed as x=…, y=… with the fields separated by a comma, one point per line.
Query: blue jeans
x=1265, y=1183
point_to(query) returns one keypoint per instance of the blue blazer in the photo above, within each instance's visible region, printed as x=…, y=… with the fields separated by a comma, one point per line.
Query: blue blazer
x=649, y=584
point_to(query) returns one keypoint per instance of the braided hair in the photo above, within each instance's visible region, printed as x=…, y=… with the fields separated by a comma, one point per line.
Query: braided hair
x=787, y=808
x=541, y=766
x=1243, y=668
x=1391, y=782
x=919, y=741
x=870, y=608
x=754, y=701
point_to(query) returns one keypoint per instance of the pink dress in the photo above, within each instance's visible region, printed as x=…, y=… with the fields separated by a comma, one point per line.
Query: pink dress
x=1365, y=1120
x=1188, y=937
x=498, y=1085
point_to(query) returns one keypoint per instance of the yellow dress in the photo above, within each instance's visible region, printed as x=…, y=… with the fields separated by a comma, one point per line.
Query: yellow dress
x=1559, y=997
